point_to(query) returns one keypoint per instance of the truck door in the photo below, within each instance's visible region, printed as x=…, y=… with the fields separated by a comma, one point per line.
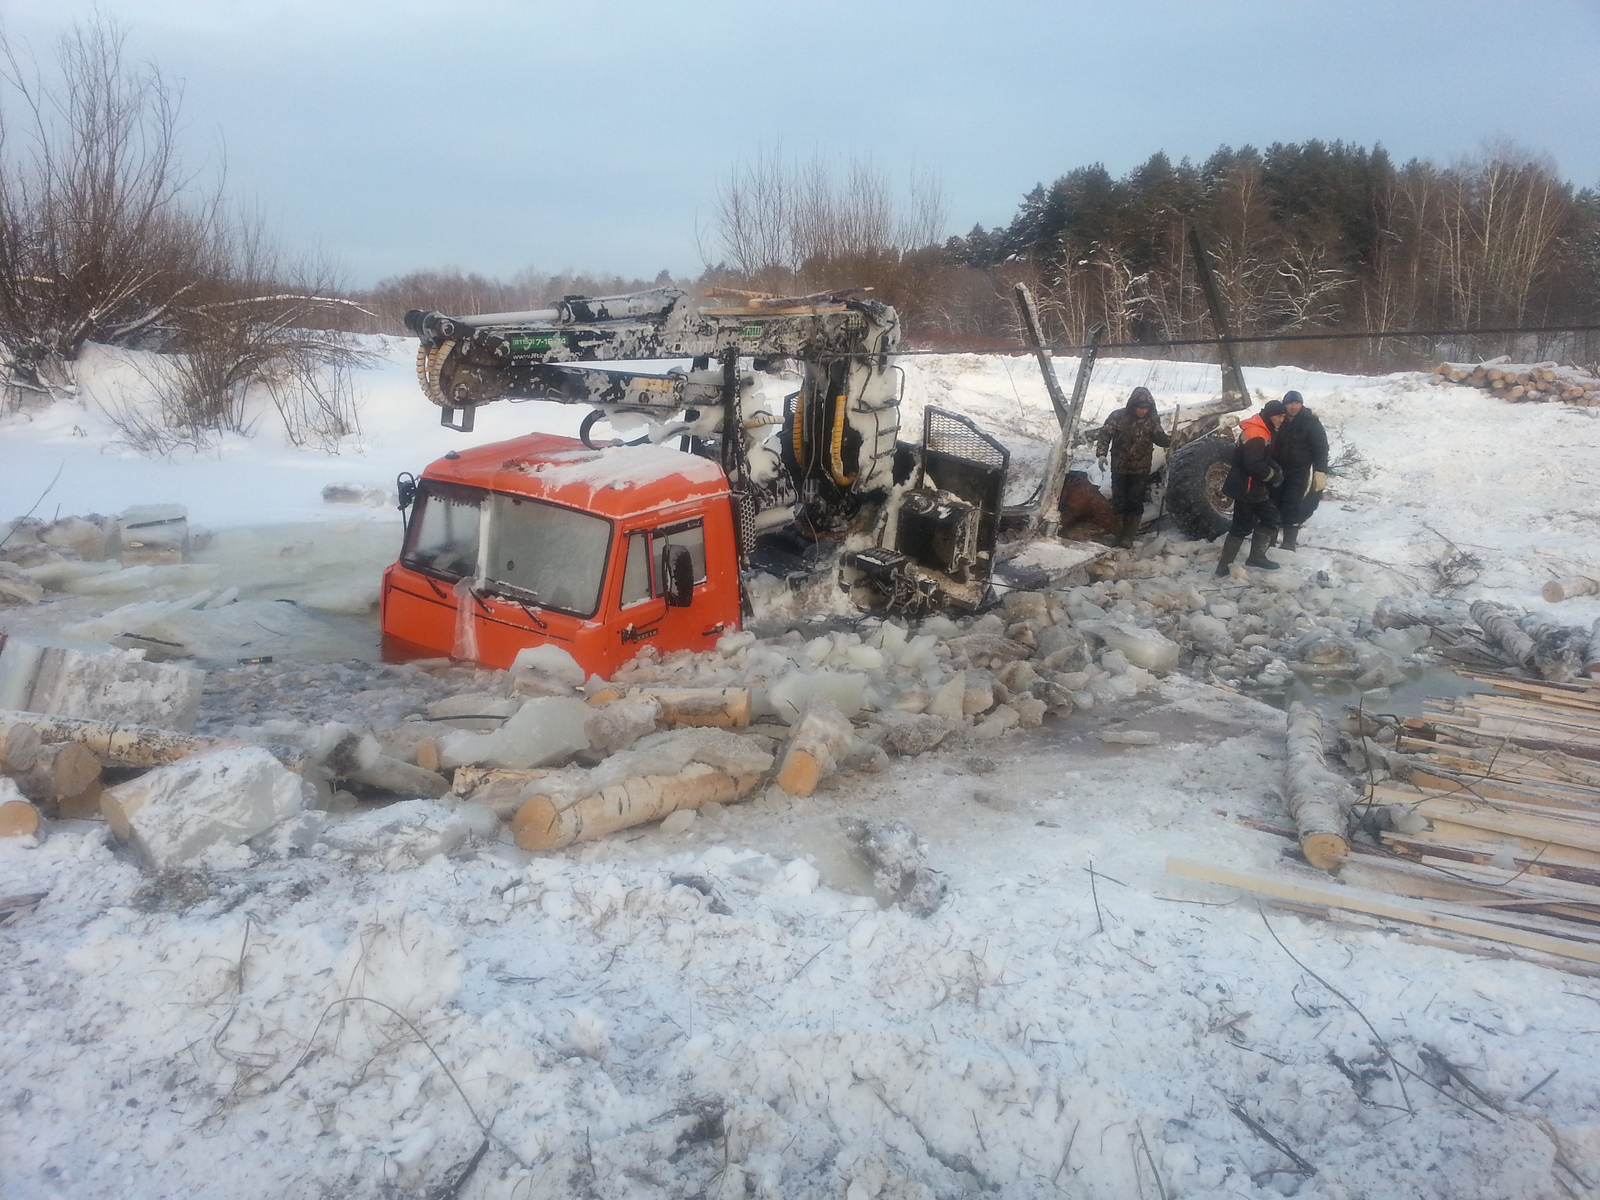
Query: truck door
x=646, y=618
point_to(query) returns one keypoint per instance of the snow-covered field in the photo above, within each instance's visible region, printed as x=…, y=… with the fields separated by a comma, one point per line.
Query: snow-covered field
x=729, y=1012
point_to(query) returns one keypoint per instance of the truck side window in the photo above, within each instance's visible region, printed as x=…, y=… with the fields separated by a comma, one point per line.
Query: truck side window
x=637, y=586
x=444, y=532
x=691, y=534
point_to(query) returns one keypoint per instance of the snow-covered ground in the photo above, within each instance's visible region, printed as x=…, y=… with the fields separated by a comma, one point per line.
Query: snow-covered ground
x=728, y=1011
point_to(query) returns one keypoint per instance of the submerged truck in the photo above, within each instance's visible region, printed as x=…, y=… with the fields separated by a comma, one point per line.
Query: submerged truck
x=601, y=547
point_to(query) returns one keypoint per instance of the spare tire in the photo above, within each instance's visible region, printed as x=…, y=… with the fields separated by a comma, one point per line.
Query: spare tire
x=1194, y=487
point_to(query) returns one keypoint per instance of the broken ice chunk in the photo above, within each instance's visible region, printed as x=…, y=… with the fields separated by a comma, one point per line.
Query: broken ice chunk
x=789, y=696
x=544, y=731
x=173, y=815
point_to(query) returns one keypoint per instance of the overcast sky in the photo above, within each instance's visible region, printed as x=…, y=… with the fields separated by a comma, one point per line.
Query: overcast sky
x=495, y=135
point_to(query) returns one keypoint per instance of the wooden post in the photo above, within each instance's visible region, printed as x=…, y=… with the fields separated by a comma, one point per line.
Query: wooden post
x=1047, y=368
x=1232, y=377
x=1311, y=791
x=1046, y=519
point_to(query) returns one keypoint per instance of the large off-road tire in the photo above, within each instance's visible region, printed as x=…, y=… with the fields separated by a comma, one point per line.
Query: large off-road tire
x=1194, y=487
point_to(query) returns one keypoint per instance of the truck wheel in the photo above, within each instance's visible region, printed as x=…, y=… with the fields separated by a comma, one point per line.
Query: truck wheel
x=1195, y=501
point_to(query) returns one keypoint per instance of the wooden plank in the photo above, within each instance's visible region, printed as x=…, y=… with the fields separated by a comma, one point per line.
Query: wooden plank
x=1581, y=816
x=1483, y=880
x=1396, y=909
x=1498, y=788
x=1498, y=905
x=1537, y=780
x=1526, y=878
x=1514, y=824
x=1509, y=762
x=1444, y=833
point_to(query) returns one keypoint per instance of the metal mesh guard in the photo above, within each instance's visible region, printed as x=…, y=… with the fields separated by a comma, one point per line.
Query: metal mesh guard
x=951, y=433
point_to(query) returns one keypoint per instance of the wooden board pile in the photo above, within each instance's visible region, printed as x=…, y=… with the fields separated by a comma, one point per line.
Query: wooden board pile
x=1493, y=839
x=1519, y=382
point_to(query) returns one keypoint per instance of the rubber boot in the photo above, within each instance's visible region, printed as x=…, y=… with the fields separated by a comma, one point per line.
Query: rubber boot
x=1258, y=551
x=1130, y=530
x=1291, y=535
x=1230, y=551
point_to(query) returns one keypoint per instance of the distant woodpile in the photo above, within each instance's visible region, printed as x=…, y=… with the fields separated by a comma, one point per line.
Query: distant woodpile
x=1520, y=382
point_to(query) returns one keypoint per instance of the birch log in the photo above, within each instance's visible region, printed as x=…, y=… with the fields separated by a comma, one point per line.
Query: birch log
x=1317, y=799
x=546, y=822
x=18, y=818
x=499, y=789
x=1558, y=590
x=59, y=770
x=1496, y=621
x=821, y=738
x=19, y=745
x=721, y=708
x=136, y=745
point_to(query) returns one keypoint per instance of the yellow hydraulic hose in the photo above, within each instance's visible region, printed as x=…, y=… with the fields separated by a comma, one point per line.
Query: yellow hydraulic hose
x=839, y=475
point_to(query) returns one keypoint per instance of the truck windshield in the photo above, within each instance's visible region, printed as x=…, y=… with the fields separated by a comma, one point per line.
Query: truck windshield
x=443, y=538
x=553, y=556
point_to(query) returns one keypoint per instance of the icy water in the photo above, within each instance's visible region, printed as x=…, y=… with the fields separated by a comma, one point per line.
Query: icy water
x=333, y=570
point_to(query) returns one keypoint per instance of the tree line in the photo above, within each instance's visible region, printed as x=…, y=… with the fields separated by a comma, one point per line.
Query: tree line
x=108, y=236
x=1304, y=238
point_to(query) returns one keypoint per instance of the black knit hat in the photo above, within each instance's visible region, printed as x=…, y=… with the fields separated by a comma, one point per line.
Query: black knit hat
x=1274, y=408
x=1293, y=398
x=1141, y=398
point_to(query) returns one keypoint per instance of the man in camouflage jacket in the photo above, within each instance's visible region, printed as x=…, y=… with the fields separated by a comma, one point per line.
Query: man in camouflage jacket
x=1130, y=434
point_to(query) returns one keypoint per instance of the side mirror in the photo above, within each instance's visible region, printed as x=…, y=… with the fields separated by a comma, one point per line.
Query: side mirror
x=677, y=575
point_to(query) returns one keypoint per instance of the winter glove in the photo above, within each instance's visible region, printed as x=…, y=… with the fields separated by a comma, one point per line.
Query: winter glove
x=1319, y=481
x=1101, y=462
x=1274, y=479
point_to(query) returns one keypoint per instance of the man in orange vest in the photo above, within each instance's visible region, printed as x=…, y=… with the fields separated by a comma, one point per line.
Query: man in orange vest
x=1249, y=485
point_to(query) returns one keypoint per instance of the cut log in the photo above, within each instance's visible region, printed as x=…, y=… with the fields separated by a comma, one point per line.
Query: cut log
x=499, y=789
x=720, y=708
x=19, y=745
x=821, y=739
x=85, y=806
x=18, y=818
x=1565, y=589
x=1317, y=799
x=137, y=745
x=545, y=822
x=1496, y=621
x=60, y=769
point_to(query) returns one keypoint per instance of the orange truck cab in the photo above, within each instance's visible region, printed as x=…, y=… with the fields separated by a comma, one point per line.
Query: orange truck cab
x=542, y=540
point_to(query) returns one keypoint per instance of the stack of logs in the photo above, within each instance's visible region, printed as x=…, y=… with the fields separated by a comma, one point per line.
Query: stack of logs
x=52, y=778
x=1490, y=829
x=51, y=765
x=1519, y=382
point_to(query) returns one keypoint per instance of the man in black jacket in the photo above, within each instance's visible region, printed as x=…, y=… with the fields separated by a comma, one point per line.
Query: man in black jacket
x=1301, y=449
x=1129, y=434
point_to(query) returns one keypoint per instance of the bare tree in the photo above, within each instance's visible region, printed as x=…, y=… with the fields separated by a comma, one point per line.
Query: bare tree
x=105, y=236
x=100, y=231
x=786, y=228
